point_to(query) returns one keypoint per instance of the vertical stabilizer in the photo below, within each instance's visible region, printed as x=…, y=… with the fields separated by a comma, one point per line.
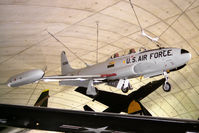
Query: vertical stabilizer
x=42, y=101
x=65, y=67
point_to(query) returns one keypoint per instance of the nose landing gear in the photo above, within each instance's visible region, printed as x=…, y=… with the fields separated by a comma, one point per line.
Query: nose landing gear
x=166, y=86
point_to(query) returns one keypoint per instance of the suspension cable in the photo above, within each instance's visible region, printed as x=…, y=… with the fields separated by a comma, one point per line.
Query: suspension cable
x=154, y=40
x=176, y=19
x=136, y=15
x=67, y=48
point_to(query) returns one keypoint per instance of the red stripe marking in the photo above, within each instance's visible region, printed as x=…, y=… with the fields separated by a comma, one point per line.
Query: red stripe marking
x=108, y=75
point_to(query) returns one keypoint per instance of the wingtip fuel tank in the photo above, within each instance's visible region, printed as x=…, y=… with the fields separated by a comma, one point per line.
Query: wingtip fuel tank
x=25, y=78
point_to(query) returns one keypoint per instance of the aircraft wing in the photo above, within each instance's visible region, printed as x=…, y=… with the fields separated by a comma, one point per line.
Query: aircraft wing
x=80, y=80
x=81, y=121
x=78, y=77
x=108, y=98
x=112, y=99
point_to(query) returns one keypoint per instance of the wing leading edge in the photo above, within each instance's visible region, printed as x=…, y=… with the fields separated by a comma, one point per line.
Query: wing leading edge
x=78, y=77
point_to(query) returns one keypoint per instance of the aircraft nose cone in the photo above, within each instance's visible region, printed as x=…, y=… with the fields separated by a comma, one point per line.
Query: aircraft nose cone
x=189, y=56
x=186, y=55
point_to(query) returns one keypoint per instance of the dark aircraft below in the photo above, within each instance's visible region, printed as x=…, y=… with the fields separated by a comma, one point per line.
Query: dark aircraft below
x=124, y=103
x=82, y=121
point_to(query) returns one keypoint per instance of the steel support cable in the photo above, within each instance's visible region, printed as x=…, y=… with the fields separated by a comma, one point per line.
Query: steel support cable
x=141, y=29
x=176, y=19
x=32, y=93
x=67, y=48
x=169, y=25
x=136, y=15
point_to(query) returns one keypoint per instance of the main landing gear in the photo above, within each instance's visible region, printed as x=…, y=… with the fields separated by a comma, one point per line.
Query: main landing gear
x=166, y=86
x=126, y=89
x=124, y=85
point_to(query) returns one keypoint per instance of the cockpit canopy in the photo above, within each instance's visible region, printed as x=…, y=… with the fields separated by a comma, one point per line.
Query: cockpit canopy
x=132, y=51
x=127, y=51
x=123, y=52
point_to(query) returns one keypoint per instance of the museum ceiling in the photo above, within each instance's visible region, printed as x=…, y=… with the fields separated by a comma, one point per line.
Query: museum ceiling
x=25, y=44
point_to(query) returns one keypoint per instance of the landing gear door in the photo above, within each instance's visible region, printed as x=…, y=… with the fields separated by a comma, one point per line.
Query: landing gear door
x=120, y=84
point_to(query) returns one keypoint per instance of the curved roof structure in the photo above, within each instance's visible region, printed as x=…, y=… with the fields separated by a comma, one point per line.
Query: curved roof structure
x=25, y=44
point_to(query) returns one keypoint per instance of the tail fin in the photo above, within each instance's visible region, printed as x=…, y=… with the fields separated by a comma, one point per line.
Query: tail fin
x=87, y=108
x=65, y=67
x=135, y=107
x=42, y=101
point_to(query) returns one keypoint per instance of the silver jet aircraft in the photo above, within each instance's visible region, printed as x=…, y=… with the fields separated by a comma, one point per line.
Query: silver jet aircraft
x=115, y=71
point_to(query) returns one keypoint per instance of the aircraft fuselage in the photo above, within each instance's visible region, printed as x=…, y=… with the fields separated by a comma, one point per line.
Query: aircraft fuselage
x=114, y=71
x=147, y=63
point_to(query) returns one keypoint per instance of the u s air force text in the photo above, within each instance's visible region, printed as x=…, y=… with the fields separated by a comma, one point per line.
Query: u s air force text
x=148, y=56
